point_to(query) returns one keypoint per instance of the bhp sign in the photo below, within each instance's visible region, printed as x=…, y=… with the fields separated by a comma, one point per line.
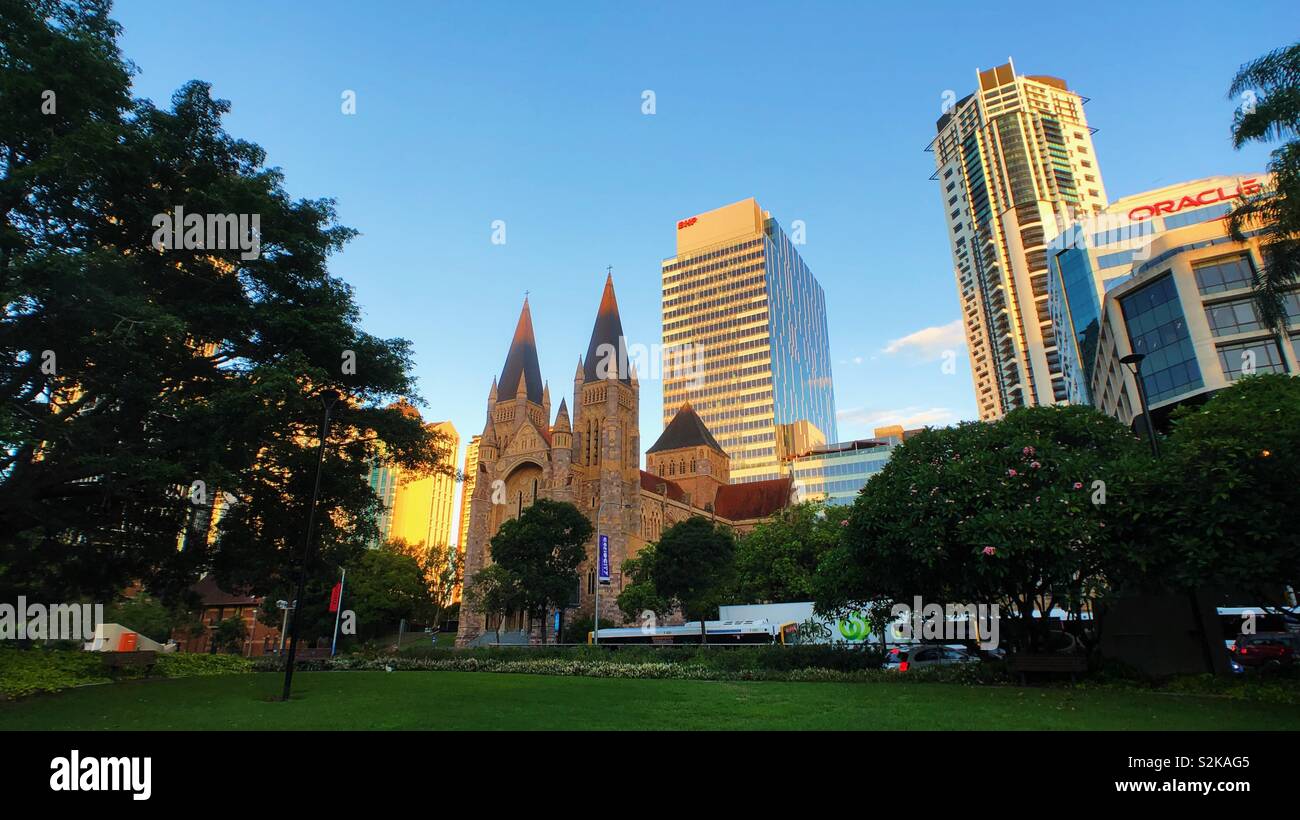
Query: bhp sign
x=1247, y=187
x=686, y=223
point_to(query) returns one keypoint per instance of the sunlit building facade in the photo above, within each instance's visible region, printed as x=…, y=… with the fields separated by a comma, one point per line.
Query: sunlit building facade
x=1015, y=164
x=470, y=471
x=1185, y=303
x=1097, y=254
x=417, y=510
x=836, y=473
x=741, y=302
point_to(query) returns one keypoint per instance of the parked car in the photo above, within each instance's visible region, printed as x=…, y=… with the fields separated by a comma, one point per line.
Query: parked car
x=1269, y=649
x=920, y=656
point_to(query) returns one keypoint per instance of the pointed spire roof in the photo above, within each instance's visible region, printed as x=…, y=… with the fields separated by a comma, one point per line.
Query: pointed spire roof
x=685, y=430
x=521, y=362
x=562, y=418
x=608, y=330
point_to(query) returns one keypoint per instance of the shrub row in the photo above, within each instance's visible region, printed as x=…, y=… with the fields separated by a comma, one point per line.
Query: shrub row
x=642, y=669
x=762, y=658
x=28, y=671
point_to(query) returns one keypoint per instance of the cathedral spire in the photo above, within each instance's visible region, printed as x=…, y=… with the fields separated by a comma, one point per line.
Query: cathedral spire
x=521, y=368
x=562, y=423
x=605, y=351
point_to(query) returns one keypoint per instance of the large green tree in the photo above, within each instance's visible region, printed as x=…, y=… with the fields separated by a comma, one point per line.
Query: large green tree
x=1012, y=512
x=639, y=595
x=777, y=560
x=139, y=382
x=1222, y=506
x=692, y=568
x=543, y=548
x=1268, y=92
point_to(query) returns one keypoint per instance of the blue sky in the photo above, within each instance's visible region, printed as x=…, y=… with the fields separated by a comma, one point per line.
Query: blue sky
x=531, y=113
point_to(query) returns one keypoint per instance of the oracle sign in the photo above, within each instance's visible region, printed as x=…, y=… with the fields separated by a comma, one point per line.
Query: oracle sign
x=686, y=223
x=1246, y=187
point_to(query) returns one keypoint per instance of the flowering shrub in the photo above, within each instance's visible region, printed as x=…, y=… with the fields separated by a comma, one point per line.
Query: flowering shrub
x=648, y=670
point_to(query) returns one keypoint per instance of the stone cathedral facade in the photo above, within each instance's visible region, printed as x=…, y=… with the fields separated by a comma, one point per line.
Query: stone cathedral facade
x=591, y=457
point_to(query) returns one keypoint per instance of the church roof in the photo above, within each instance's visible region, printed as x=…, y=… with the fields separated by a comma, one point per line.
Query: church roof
x=608, y=330
x=521, y=360
x=757, y=499
x=651, y=482
x=686, y=429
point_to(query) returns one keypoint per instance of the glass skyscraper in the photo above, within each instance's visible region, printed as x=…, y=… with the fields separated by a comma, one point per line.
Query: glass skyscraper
x=745, y=320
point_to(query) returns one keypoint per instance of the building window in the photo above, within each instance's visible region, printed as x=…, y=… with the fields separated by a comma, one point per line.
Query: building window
x=1196, y=215
x=1224, y=273
x=1157, y=328
x=1249, y=358
x=1227, y=318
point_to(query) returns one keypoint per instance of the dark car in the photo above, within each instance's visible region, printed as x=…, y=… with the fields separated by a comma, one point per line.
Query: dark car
x=1269, y=649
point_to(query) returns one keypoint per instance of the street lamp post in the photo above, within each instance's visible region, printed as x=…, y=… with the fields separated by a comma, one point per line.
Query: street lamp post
x=1134, y=362
x=284, y=623
x=327, y=400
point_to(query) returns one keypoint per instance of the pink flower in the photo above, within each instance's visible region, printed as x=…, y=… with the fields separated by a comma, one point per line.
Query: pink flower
x=1012, y=473
x=844, y=522
x=1028, y=451
x=1078, y=485
x=1035, y=464
x=990, y=551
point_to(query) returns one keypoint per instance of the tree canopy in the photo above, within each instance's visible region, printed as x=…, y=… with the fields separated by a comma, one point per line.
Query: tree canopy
x=140, y=383
x=1009, y=513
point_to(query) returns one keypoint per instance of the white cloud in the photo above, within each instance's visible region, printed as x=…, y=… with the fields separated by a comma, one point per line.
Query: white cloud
x=910, y=417
x=929, y=344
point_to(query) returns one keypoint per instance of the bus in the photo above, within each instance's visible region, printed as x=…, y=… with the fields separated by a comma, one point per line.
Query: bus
x=725, y=633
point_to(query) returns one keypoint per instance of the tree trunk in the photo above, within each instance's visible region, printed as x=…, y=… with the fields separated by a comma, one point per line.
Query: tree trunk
x=704, y=635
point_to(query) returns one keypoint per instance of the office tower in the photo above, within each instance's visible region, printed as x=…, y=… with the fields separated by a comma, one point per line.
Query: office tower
x=417, y=509
x=745, y=321
x=1015, y=165
x=836, y=473
x=1096, y=255
x=1183, y=300
x=467, y=489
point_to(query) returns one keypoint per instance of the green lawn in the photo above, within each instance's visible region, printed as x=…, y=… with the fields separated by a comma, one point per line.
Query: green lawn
x=463, y=700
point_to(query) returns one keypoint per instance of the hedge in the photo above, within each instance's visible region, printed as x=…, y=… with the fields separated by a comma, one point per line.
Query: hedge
x=29, y=671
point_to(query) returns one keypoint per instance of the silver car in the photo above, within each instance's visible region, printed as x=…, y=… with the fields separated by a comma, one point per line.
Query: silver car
x=921, y=656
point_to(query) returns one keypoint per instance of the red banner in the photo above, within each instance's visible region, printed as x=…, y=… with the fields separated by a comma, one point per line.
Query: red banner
x=335, y=595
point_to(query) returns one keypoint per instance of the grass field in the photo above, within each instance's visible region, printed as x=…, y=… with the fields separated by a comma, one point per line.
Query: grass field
x=463, y=700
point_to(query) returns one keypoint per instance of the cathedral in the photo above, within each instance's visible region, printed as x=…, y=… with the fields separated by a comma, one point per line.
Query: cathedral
x=592, y=459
